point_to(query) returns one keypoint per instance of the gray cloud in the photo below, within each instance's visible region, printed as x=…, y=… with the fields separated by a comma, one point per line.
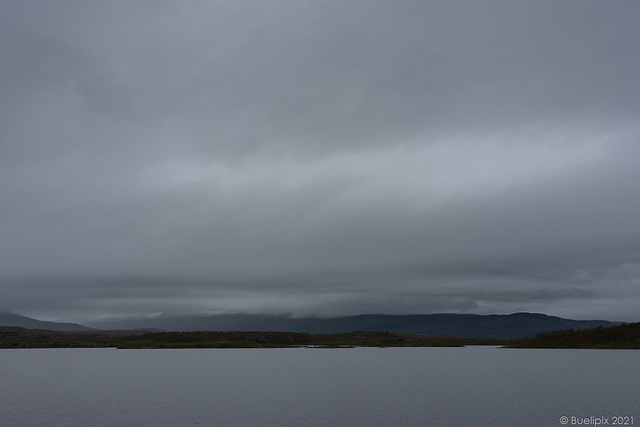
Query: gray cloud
x=319, y=158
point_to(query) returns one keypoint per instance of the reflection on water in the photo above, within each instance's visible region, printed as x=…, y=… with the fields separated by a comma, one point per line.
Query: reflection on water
x=305, y=386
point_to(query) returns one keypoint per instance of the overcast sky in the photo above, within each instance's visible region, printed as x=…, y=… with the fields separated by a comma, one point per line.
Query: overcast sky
x=320, y=157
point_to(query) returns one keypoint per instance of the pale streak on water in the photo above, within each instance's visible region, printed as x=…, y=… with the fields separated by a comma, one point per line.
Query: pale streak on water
x=315, y=387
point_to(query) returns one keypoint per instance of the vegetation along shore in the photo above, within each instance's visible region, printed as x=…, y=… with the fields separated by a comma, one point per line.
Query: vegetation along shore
x=626, y=336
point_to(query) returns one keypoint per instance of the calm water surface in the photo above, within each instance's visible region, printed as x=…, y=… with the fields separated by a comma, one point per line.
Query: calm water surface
x=318, y=387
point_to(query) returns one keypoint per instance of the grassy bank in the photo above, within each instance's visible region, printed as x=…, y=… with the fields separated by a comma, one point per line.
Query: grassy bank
x=13, y=337
x=625, y=336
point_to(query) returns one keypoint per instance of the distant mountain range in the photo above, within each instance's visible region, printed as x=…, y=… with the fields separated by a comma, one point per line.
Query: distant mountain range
x=13, y=319
x=515, y=325
x=457, y=325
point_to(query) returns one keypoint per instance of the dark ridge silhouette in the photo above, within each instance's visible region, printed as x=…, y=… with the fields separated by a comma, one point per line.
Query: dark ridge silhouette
x=515, y=325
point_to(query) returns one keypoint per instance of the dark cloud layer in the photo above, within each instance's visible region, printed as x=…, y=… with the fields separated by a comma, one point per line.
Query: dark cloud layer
x=323, y=158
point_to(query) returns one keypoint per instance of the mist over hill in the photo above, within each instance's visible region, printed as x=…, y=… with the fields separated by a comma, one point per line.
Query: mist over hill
x=13, y=319
x=515, y=325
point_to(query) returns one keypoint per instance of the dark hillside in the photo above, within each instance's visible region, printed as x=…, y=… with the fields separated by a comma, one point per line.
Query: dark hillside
x=515, y=325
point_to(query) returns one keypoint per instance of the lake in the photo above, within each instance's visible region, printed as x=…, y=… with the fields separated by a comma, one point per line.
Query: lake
x=318, y=387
